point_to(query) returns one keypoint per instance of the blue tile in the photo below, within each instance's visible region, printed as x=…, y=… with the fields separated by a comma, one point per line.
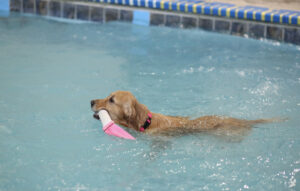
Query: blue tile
x=199, y=9
x=294, y=20
x=174, y=6
x=232, y=12
x=223, y=12
x=215, y=11
x=190, y=8
x=4, y=7
x=250, y=15
x=141, y=17
x=207, y=10
x=258, y=16
x=285, y=19
x=166, y=5
x=268, y=17
x=241, y=14
x=157, y=4
x=276, y=18
x=150, y=4
x=182, y=7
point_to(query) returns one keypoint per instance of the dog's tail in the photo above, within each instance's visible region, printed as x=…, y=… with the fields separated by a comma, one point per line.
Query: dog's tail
x=270, y=120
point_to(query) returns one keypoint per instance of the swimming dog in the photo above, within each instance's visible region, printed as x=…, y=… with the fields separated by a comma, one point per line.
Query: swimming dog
x=125, y=110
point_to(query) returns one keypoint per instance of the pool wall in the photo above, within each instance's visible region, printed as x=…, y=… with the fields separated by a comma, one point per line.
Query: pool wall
x=247, y=21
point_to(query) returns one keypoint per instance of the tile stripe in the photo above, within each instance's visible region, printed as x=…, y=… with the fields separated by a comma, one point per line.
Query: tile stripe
x=220, y=9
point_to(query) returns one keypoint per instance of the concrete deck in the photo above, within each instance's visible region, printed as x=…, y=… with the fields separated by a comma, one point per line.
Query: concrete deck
x=273, y=4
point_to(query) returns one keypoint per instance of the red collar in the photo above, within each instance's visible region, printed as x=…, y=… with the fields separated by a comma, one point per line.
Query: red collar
x=147, y=123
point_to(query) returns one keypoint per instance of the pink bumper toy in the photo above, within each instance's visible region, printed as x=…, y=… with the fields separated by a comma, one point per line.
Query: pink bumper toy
x=110, y=128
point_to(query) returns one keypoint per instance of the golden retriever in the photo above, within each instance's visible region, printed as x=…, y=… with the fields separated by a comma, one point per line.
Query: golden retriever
x=125, y=110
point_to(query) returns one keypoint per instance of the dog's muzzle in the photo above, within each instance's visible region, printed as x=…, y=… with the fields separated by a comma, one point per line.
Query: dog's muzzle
x=96, y=116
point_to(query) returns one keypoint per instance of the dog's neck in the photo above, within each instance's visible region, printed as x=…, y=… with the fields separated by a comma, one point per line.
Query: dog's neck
x=147, y=123
x=139, y=117
x=137, y=120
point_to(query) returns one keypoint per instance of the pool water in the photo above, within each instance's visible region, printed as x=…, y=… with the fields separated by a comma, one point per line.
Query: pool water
x=50, y=70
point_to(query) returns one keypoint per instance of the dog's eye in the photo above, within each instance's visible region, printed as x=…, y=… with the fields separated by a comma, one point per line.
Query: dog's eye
x=111, y=100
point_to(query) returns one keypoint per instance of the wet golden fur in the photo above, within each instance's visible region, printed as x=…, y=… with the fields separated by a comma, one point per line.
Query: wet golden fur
x=124, y=109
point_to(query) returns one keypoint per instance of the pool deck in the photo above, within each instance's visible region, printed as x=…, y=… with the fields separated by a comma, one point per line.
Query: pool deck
x=290, y=5
x=276, y=13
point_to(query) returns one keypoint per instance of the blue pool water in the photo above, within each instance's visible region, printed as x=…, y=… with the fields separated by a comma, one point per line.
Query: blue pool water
x=50, y=70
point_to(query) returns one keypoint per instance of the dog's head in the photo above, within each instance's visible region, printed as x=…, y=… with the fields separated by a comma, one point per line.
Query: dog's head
x=122, y=107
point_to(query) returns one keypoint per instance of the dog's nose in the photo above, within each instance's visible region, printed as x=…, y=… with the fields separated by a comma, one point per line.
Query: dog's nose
x=92, y=103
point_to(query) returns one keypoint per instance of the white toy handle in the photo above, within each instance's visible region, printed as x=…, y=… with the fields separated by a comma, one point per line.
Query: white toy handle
x=104, y=117
x=110, y=128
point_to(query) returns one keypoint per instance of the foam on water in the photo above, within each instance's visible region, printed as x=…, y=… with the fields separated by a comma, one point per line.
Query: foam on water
x=49, y=72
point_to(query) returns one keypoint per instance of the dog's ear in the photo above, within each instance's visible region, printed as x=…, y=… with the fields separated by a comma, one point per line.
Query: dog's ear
x=129, y=109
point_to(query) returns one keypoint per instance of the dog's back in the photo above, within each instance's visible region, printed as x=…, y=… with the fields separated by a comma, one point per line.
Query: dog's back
x=182, y=125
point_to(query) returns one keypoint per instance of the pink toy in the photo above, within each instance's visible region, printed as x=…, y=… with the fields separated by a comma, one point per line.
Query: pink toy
x=110, y=128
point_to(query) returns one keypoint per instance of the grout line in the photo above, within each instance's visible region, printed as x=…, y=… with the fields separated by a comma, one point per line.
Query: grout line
x=34, y=7
x=48, y=8
x=104, y=15
x=90, y=13
x=265, y=31
x=119, y=14
x=75, y=12
x=180, y=21
x=282, y=35
x=21, y=8
x=61, y=9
